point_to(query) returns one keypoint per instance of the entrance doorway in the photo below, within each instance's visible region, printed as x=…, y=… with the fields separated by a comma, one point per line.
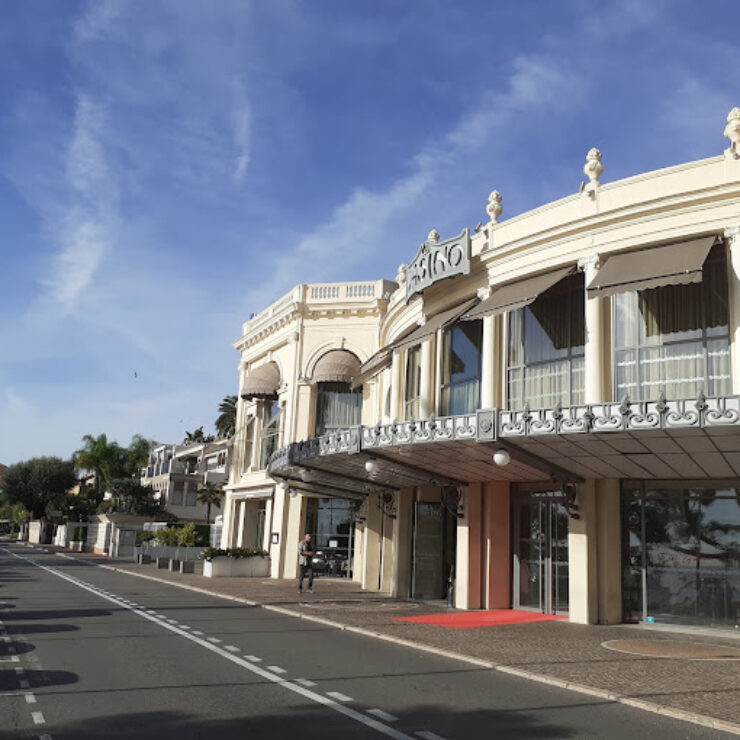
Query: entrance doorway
x=433, y=550
x=540, y=553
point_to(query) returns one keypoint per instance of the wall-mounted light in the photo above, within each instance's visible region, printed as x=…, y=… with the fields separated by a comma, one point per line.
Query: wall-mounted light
x=371, y=465
x=501, y=457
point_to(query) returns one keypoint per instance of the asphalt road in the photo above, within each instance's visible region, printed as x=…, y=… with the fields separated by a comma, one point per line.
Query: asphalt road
x=89, y=653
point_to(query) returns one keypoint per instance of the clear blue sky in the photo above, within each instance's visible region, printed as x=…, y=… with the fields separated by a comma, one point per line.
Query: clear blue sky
x=168, y=168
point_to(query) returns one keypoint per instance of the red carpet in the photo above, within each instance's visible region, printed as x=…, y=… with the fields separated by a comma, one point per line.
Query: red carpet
x=481, y=618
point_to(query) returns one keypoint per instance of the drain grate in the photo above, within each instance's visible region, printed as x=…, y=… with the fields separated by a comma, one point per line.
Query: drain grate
x=674, y=649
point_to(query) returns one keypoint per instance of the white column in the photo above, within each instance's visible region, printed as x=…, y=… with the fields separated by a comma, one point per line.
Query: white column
x=396, y=367
x=594, y=386
x=426, y=392
x=582, y=556
x=241, y=511
x=487, y=373
x=733, y=241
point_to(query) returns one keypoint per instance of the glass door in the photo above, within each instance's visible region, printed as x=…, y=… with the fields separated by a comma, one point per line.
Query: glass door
x=540, y=553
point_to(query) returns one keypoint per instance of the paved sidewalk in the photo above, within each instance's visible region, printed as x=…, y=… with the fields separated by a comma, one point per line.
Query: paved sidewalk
x=707, y=691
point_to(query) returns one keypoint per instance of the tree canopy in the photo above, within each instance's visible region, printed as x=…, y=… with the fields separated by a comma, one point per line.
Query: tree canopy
x=197, y=436
x=210, y=494
x=37, y=482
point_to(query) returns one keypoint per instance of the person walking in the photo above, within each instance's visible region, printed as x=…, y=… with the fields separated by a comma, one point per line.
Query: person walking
x=305, y=553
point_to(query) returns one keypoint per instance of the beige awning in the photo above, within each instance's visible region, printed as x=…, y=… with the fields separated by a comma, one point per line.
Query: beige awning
x=674, y=264
x=438, y=321
x=336, y=366
x=377, y=363
x=262, y=382
x=515, y=295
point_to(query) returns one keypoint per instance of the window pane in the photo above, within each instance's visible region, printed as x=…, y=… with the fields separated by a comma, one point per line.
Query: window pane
x=413, y=382
x=626, y=375
x=719, y=368
x=516, y=337
x=546, y=384
x=546, y=329
x=577, y=380
x=337, y=406
x=625, y=319
x=670, y=313
x=515, y=389
x=464, y=342
x=461, y=398
x=676, y=369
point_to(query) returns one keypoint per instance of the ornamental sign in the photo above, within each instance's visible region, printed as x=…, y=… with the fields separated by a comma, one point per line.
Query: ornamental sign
x=436, y=261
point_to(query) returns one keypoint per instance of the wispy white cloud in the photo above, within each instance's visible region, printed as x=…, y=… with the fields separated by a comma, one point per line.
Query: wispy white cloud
x=242, y=115
x=88, y=229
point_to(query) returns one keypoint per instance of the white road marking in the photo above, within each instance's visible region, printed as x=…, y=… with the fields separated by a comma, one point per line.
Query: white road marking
x=305, y=682
x=426, y=735
x=38, y=718
x=196, y=632
x=30, y=699
x=252, y=658
x=338, y=696
x=11, y=659
x=214, y=640
x=380, y=714
x=24, y=684
x=44, y=737
x=348, y=712
x=6, y=639
x=185, y=627
x=276, y=669
x=231, y=648
x=19, y=671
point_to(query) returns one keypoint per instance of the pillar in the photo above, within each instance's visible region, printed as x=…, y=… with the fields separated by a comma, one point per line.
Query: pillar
x=240, y=510
x=497, y=544
x=371, y=545
x=582, y=555
x=228, y=524
x=468, y=557
x=609, y=551
x=595, y=359
x=293, y=534
x=426, y=391
x=488, y=362
x=279, y=527
x=401, y=576
x=395, y=413
x=733, y=241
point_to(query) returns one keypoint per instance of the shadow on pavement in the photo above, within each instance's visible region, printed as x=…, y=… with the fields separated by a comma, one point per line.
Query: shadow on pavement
x=30, y=629
x=19, y=648
x=307, y=723
x=38, y=679
x=58, y=614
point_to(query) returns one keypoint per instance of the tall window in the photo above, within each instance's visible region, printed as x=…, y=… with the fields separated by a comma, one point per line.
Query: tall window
x=546, y=345
x=412, y=388
x=461, y=367
x=337, y=406
x=675, y=338
x=270, y=431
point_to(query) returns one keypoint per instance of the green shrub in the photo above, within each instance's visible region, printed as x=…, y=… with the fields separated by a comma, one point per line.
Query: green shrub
x=142, y=537
x=79, y=534
x=233, y=552
x=186, y=535
x=169, y=537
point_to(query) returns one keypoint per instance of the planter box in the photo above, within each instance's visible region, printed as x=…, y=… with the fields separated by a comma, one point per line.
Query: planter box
x=255, y=567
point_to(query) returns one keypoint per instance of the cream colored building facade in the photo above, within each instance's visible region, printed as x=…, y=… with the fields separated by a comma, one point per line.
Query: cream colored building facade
x=550, y=413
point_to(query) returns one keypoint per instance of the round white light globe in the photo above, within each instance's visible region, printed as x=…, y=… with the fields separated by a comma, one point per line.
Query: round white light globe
x=371, y=466
x=283, y=485
x=501, y=457
x=305, y=474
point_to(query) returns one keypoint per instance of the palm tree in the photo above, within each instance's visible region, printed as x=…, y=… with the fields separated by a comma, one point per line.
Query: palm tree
x=226, y=421
x=105, y=459
x=211, y=495
x=197, y=437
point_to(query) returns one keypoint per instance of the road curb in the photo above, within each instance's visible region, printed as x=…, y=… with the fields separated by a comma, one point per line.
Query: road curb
x=648, y=706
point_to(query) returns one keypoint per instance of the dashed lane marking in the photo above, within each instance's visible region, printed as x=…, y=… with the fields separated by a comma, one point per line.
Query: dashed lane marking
x=325, y=701
x=339, y=696
x=38, y=718
x=380, y=714
x=231, y=648
x=426, y=735
x=30, y=699
x=251, y=658
x=214, y=640
x=198, y=633
x=11, y=659
x=305, y=682
x=276, y=669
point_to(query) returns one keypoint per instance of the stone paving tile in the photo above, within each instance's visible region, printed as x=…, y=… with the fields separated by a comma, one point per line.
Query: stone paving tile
x=557, y=650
